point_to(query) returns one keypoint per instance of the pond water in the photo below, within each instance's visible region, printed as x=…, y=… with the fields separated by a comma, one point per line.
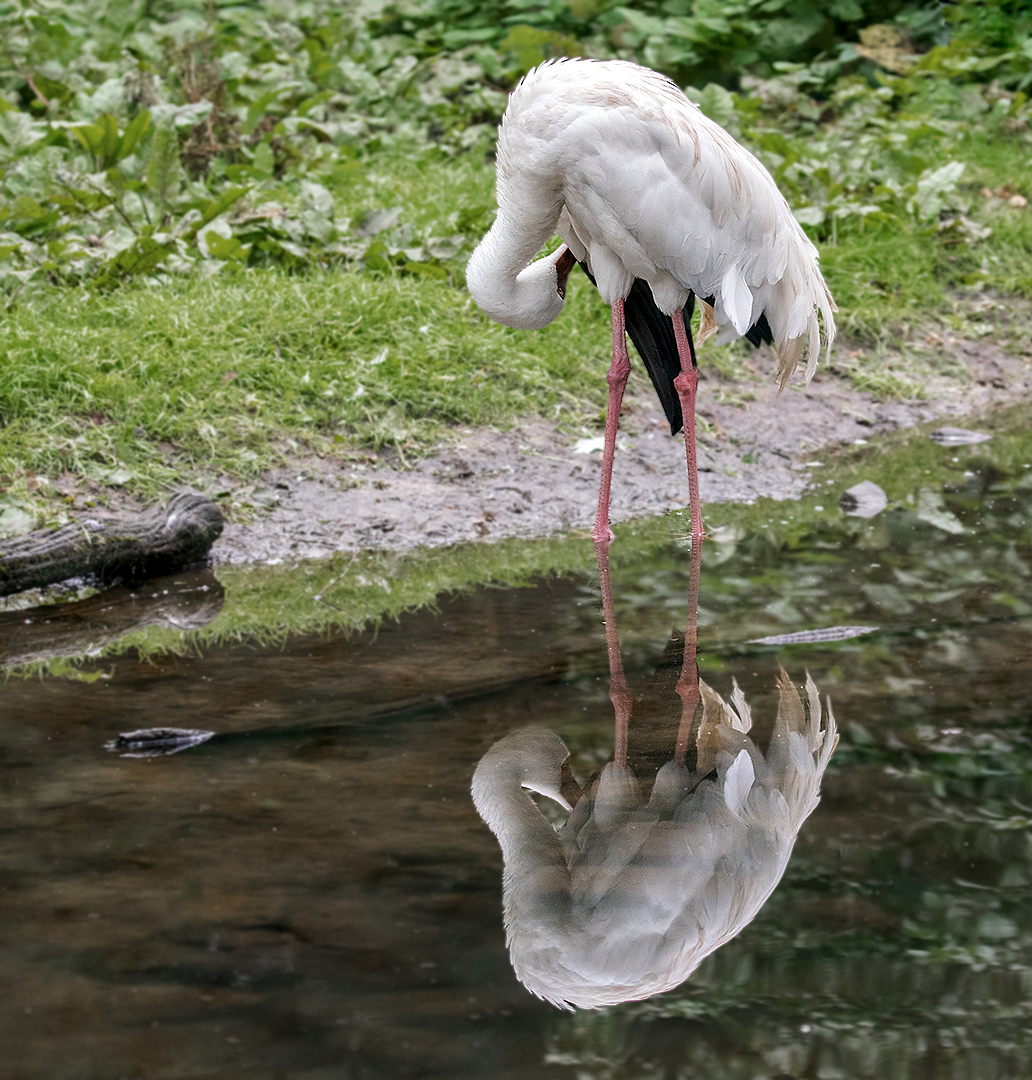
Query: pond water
x=312, y=894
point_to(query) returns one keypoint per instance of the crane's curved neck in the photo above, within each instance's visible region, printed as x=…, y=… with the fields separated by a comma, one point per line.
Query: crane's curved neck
x=503, y=281
x=536, y=877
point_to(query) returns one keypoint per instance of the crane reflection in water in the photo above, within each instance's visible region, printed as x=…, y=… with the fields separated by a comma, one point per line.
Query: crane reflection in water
x=628, y=897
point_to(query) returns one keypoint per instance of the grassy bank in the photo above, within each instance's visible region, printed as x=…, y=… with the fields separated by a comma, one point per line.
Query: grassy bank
x=267, y=605
x=234, y=374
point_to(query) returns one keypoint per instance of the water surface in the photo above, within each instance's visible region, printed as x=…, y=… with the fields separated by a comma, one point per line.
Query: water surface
x=311, y=893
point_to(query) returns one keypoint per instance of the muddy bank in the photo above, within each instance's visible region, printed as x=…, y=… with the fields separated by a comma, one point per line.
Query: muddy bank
x=537, y=480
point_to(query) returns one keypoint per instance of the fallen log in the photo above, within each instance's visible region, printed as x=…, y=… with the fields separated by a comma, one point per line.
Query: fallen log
x=158, y=540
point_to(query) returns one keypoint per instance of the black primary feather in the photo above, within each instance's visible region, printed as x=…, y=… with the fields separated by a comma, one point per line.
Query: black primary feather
x=653, y=336
x=760, y=331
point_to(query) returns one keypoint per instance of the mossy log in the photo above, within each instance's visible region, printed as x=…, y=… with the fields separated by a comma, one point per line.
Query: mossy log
x=131, y=546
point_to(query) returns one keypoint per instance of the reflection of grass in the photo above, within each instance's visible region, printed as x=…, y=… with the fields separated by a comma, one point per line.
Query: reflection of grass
x=267, y=604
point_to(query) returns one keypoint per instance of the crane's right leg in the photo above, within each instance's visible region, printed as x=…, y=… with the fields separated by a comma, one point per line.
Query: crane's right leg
x=688, y=683
x=617, y=379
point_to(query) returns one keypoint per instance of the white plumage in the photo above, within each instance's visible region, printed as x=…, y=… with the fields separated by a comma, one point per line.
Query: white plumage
x=640, y=184
x=629, y=896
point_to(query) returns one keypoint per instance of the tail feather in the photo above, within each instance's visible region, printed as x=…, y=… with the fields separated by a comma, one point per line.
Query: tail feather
x=800, y=314
x=760, y=332
x=653, y=336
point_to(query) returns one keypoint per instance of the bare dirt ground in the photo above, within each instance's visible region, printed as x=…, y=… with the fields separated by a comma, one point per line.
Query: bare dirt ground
x=533, y=481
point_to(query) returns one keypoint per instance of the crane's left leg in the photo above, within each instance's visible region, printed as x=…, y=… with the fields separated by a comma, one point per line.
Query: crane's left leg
x=685, y=385
x=617, y=379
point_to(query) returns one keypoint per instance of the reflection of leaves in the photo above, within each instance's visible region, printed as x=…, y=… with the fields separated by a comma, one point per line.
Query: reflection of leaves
x=932, y=508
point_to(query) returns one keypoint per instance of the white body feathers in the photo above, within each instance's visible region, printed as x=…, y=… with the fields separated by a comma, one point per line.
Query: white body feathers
x=629, y=896
x=641, y=184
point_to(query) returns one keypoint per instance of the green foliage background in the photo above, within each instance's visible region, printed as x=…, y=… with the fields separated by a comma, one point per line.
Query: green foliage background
x=179, y=136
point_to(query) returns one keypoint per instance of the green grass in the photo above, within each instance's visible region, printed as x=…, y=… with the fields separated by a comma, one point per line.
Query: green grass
x=439, y=195
x=235, y=374
x=211, y=372
x=153, y=385
x=884, y=277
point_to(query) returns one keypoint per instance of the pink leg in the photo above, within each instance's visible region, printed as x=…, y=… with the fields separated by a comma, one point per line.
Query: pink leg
x=688, y=684
x=619, y=693
x=617, y=379
x=685, y=384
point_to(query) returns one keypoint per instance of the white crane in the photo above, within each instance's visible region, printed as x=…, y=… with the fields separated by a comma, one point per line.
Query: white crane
x=629, y=896
x=660, y=205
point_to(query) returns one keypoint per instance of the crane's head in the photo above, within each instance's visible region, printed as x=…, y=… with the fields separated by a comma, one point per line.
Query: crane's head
x=527, y=300
x=532, y=759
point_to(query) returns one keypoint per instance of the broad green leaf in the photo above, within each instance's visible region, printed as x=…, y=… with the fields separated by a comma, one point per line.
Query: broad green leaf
x=18, y=133
x=644, y=24
x=264, y=161
x=14, y=521
x=226, y=247
x=26, y=208
x=317, y=226
x=135, y=131
x=256, y=110
x=428, y=270
x=318, y=197
x=218, y=206
x=163, y=168
x=141, y=257
x=934, y=188
x=92, y=138
x=717, y=103
x=101, y=140
x=809, y=215
x=847, y=10
x=530, y=45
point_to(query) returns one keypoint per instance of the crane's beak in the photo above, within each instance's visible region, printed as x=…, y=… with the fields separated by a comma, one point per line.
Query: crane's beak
x=563, y=265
